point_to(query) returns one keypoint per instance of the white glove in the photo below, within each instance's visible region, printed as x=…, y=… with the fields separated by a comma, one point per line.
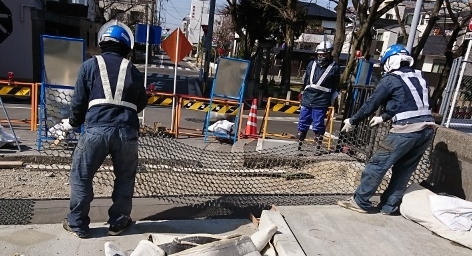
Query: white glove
x=376, y=120
x=65, y=126
x=347, y=126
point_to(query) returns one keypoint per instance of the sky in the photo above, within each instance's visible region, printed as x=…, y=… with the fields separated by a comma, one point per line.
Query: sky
x=175, y=10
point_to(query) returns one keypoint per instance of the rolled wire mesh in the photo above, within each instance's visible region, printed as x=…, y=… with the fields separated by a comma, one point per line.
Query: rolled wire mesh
x=180, y=173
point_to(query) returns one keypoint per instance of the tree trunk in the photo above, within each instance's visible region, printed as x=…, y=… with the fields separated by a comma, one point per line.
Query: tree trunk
x=402, y=25
x=287, y=61
x=340, y=29
x=345, y=78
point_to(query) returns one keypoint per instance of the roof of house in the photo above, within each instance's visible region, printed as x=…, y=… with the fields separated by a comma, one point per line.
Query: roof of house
x=384, y=23
x=435, y=45
x=317, y=10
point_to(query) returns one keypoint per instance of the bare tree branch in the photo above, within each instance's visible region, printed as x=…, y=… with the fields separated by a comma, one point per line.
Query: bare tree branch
x=400, y=22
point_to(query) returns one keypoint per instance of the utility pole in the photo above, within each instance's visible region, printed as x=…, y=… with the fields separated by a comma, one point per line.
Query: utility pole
x=208, y=41
x=414, y=24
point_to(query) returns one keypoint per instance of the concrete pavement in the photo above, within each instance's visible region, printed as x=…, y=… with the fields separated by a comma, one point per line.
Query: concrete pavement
x=51, y=239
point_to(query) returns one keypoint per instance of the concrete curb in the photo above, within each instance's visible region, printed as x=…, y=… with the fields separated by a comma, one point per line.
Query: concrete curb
x=284, y=241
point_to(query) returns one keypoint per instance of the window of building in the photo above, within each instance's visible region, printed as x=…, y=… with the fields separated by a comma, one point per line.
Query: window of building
x=116, y=14
x=389, y=16
x=409, y=19
x=135, y=16
x=379, y=37
x=422, y=22
x=438, y=67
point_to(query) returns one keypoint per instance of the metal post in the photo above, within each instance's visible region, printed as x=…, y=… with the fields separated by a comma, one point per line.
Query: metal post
x=414, y=24
x=177, y=50
x=209, y=39
x=459, y=82
x=147, y=54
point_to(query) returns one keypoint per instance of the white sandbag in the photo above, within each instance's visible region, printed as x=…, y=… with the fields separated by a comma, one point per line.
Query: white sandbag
x=112, y=249
x=262, y=237
x=415, y=206
x=147, y=248
x=6, y=138
x=222, y=126
x=453, y=212
x=238, y=246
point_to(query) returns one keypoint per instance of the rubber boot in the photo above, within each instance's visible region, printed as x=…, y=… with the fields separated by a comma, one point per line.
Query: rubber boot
x=318, y=145
x=301, y=137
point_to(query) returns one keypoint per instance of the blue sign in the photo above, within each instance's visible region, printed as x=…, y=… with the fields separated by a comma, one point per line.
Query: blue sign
x=154, y=34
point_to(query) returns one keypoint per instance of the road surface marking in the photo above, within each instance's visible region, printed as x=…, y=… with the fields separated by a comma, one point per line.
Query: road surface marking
x=276, y=118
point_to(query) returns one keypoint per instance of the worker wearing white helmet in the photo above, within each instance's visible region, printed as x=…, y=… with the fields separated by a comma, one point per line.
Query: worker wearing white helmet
x=320, y=82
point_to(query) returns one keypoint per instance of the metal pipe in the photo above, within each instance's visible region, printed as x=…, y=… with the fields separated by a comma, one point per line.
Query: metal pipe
x=208, y=40
x=414, y=25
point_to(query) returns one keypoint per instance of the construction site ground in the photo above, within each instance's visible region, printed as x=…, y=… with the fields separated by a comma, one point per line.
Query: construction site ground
x=318, y=229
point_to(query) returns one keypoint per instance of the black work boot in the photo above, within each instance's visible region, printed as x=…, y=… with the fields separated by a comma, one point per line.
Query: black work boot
x=318, y=145
x=301, y=137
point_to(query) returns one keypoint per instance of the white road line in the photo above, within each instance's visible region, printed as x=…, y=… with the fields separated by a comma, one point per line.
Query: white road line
x=8, y=106
x=276, y=118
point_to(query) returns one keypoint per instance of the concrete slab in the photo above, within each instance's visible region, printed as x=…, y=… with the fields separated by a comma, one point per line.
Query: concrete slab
x=289, y=147
x=53, y=240
x=332, y=230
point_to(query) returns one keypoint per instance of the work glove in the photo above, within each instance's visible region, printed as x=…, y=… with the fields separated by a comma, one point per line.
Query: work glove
x=348, y=127
x=376, y=120
x=300, y=95
x=66, y=126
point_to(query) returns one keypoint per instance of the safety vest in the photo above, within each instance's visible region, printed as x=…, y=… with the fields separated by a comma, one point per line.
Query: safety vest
x=416, y=96
x=109, y=97
x=318, y=86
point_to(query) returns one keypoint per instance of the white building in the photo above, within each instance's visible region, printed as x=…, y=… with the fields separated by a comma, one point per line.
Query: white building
x=198, y=16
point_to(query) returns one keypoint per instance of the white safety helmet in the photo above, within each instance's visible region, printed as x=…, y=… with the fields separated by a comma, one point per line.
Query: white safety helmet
x=324, y=47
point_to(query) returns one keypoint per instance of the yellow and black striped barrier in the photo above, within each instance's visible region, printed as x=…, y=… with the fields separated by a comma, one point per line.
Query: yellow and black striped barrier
x=17, y=91
x=284, y=108
x=292, y=107
x=160, y=100
x=204, y=106
x=192, y=104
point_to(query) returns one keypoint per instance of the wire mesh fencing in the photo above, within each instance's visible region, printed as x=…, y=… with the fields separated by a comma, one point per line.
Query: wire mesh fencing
x=457, y=106
x=174, y=171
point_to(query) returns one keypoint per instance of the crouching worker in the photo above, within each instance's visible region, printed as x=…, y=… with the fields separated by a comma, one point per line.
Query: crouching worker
x=321, y=80
x=405, y=95
x=109, y=94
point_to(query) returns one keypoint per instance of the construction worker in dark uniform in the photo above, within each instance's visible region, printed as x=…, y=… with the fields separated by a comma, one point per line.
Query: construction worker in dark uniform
x=109, y=94
x=321, y=80
x=405, y=95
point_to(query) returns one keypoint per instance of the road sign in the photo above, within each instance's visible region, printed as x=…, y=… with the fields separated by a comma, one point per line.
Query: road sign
x=205, y=29
x=154, y=34
x=170, y=46
x=468, y=36
x=6, y=23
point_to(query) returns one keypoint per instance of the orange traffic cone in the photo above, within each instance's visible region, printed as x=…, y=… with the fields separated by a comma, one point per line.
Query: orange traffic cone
x=251, y=125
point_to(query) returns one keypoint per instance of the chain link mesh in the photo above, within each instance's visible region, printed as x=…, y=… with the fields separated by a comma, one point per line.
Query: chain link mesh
x=461, y=117
x=180, y=173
